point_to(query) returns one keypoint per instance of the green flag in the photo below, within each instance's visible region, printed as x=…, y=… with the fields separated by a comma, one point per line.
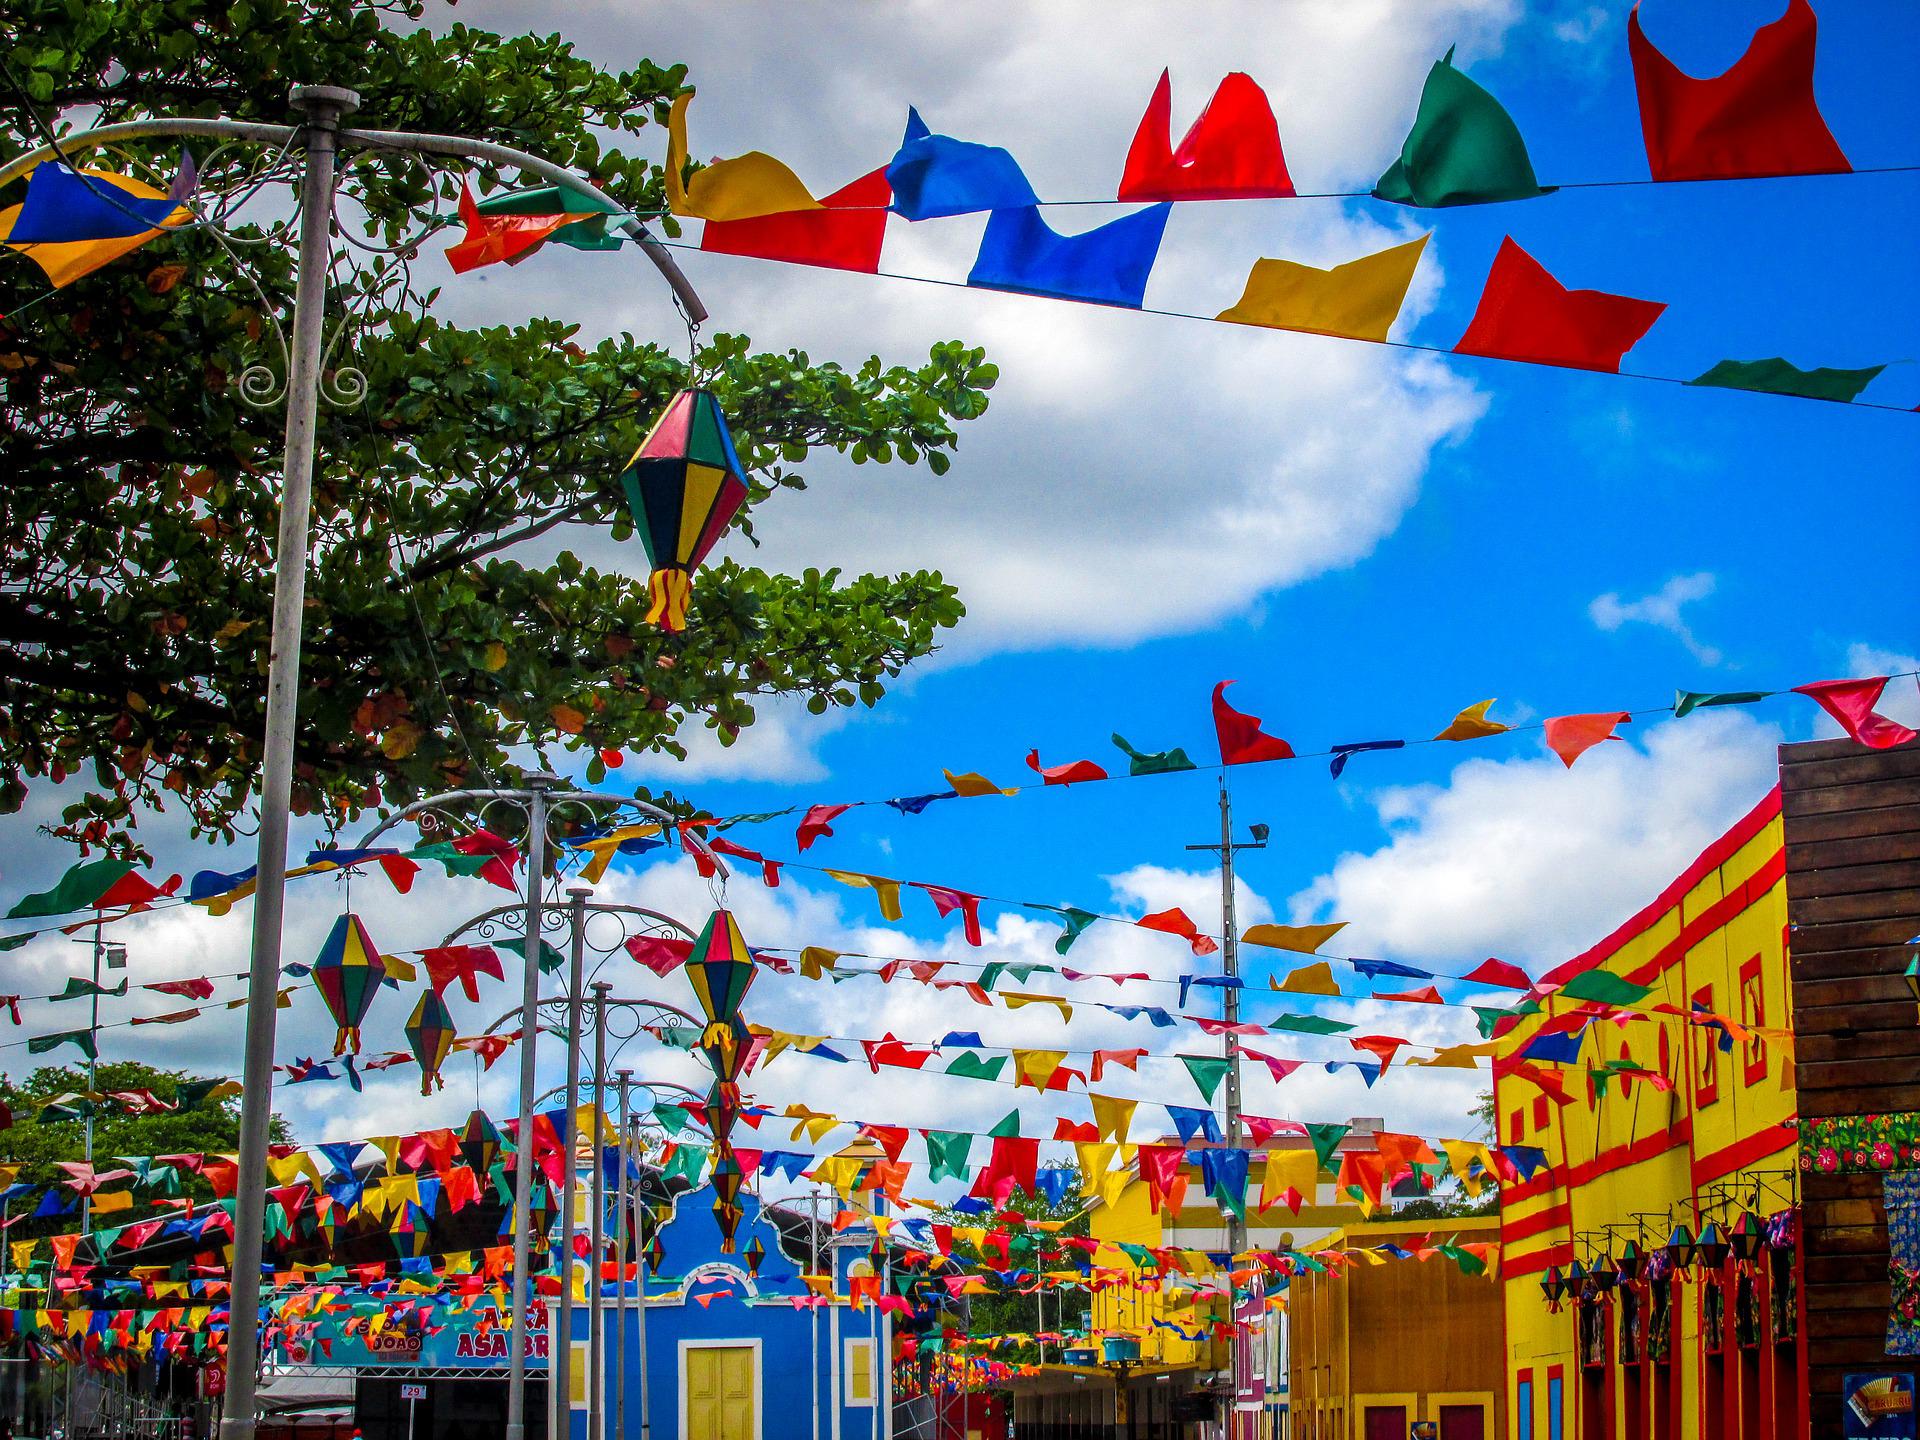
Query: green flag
x=1604, y=988
x=80, y=1039
x=589, y=234
x=1309, y=1025
x=1777, y=377
x=947, y=1154
x=1685, y=702
x=1464, y=149
x=1326, y=1138
x=1207, y=1074
x=550, y=959
x=974, y=1067
x=1161, y=762
x=79, y=888
x=689, y=1161
x=1075, y=920
x=1007, y=1128
x=79, y=989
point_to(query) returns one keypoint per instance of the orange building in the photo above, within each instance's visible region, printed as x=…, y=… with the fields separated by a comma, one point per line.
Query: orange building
x=1652, y=1267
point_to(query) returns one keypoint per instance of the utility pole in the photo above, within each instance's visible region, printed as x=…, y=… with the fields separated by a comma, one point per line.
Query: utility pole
x=620, y=1260
x=1239, y=1425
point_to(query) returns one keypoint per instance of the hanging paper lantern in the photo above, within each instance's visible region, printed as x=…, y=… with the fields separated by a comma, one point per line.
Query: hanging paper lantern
x=1631, y=1262
x=347, y=973
x=1680, y=1247
x=1711, y=1248
x=656, y=1255
x=755, y=1255
x=1746, y=1236
x=726, y=1181
x=721, y=970
x=430, y=1035
x=683, y=486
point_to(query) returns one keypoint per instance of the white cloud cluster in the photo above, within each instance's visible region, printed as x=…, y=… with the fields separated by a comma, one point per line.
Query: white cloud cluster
x=1660, y=609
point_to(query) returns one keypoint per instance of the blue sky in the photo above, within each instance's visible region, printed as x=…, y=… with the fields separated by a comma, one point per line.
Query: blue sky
x=1366, y=541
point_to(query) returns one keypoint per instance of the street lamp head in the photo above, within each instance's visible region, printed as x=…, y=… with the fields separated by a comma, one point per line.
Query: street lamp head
x=334, y=98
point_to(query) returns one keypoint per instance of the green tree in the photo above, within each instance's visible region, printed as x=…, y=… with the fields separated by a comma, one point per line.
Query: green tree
x=211, y=1128
x=138, y=492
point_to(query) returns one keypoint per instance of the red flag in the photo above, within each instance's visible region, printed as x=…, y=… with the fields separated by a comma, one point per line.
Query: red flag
x=493, y=238
x=132, y=889
x=465, y=963
x=947, y=901
x=1232, y=152
x=1103, y=1058
x=1159, y=1168
x=845, y=233
x=1758, y=117
x=1526, y=314
x=1241, y=739
x=1383, y=1047
x=1850, y=703
x=1073, y=772
x=1175, y=922
x=1571, y=736
x=769, y=869
x=658, y=953
x=195, y=989
x=817, y=821
x=1499, y=972
x=1280, y=1068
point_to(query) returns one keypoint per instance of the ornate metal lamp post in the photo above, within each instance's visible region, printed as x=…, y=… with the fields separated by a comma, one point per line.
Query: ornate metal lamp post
x=320, y=139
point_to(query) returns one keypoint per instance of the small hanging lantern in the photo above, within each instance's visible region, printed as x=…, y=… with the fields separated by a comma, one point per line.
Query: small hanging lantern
x=430, y=1035
x=1679, y=1247
x=1746, y=1236
x=877, y=1253
x=1712, y=1247
x=656, y=1254
x=1630, y=1264
x=1604, y=1275
x=755, y=1254
x=683, y=486
x=1553, y=1285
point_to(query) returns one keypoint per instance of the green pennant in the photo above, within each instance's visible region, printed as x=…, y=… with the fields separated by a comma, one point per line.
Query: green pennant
x=1075, y=920
x=1309, y=1025
x=79, y=1039
x=689, y=1162
x=79, y=989
x=76, y=890
x=679, y=1037
x=14, y=942
x=1162, y=762
x=1604, y=988
x=974, y=1067
x=551, y=959
x=1207, y=1073
x=1008, y=1128
x=1326, y=1138
x=1464, y=148
x=1777, y=377
x=671, y=1118
x=1685, y=702
x=588, y=234
x=1488, y=1018
x=947, y=1154
x=456, y=863
x=1598, y=1078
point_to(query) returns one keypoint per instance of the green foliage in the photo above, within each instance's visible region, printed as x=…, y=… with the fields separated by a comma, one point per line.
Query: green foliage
x=138, y=493
x=208, y=1129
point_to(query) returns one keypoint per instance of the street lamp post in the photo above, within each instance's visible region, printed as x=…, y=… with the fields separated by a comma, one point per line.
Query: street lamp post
x=322, y=108
x=596, y=1224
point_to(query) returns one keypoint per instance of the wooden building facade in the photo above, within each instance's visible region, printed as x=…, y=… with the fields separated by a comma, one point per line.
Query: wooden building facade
x=1852, y=831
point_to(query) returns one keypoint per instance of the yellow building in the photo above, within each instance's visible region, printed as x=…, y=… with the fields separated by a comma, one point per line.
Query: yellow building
x=1679, y=1120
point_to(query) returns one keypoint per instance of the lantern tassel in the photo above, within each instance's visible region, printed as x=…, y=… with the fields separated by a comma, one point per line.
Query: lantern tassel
x=345, y=1039
x=671, y=592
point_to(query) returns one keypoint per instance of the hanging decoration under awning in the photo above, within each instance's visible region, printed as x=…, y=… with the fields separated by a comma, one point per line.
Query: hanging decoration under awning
x=683, y=486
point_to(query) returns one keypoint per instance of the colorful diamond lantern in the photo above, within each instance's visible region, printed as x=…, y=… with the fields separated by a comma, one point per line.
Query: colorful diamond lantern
x=347, y=974
x=430, y=1035
x=721, y=969
x=683, y=486
x=755, y=1255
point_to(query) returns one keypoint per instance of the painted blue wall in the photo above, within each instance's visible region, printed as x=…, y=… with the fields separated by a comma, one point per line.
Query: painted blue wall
x=786, y=1336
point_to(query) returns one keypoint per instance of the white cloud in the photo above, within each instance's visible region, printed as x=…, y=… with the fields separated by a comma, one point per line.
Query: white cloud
x=1662, y=610
x=1533, y=862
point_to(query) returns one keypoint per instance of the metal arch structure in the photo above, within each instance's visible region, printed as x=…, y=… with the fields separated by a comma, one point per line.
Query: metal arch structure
x=321, y=138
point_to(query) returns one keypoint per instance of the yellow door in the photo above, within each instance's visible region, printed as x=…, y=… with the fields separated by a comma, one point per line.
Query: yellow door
x=719, y=1389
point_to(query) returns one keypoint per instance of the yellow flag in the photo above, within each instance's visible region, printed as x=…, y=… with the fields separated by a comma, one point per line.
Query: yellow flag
x=885, y=890
x=1288, y=1170
x=105, y=1203
x=22, y=1251
x=1016, y=999
x=737, y=189
x=1304, y=938
x=969, y=783
x=66, y=261
x=1310, y=980
x=1459, y=1057
x=1358, y=299
x=1460, y=1157
x=1036, y=1067
x=1112, y=1115
x=1472, y=724
x=1095, y=1159
x=816, y=961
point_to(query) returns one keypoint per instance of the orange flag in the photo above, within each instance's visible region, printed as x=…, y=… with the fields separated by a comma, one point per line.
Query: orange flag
x=1571, y=736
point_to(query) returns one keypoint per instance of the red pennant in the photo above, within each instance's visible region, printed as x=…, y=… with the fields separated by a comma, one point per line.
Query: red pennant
x=845, y=233
x=1241, y=739
x=1232, y=152
x=1526, y=314
x=1571, y=736
x=1175, y=922
x=659, y=954
x=769, y=869
x=817, y=821
x=1129, y=1059
x=947, y=901
x=1073, y=772
x=1276, y=1066
x=1382, y=1047
x=1850, y=703
x=465, y=963
x=1499, y=972
x=1758, y=117
x=1160, y=1168
x=491, y=239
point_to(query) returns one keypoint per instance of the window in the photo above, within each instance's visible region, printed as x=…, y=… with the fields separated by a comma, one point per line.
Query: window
x=1523, y=1405
x=1705, y=1049
x=1540, y=1114
x=1517, y=1127
x=1753, y=1012
x=858, y=1369
x=1556, y=1402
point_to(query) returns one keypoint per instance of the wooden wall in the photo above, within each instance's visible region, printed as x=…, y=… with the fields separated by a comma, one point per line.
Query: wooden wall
x=1852, y=822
